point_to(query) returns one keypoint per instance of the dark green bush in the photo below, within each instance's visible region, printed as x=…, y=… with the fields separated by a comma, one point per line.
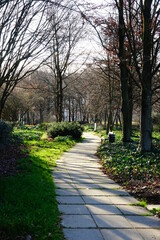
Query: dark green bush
x=5, y=133
x=65, y=129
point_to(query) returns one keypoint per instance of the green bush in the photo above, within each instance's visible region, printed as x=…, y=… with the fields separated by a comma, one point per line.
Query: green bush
x=65, y=129
x=45, y=126
x=22, y=126
x=5, y=133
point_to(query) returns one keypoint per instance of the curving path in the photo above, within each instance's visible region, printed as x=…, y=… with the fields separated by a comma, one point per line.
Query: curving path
x=93, y=206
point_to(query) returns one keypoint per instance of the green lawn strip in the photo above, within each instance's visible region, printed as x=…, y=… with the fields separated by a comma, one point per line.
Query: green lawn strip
x=28, y=201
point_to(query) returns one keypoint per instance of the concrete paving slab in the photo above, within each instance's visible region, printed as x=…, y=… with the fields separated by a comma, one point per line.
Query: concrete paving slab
x=70, y=167
x=83, y=181
x=96, y=200
x=117, y=200
x=63, y=180
x=111, y=192
x=120, y=234
x=78, y=221
x=111, y=221
x=103, y=204
x=153, y=206
x=79, y=176
x=92, y=167
x=64, y=185
x=91, y=192
x=94, y=171
x=103, y=209
x=76, y=171
x=70, y=200
x=103, y=180
x=67, y=192
x=74, y=209
x=87, y=186
x=149, y=234
x=94, y=175
x=60, y=175
x=133, y=210
x=109, y=186
x=101, y=175
x=79, y=159
x=144, y=221
x=82, y=234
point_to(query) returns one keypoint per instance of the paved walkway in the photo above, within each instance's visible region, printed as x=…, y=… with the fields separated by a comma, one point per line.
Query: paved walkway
x=93, y=206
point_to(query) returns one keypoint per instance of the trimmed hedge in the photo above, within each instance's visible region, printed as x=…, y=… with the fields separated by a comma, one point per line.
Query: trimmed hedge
x=65, y=129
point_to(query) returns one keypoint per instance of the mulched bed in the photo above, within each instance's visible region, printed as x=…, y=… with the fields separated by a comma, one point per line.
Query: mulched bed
x=148, y=191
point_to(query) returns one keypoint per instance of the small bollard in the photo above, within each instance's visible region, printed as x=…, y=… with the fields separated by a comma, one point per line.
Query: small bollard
x=111, y=137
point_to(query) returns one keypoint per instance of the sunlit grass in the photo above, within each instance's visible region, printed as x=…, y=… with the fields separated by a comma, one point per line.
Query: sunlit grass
x=28, y=202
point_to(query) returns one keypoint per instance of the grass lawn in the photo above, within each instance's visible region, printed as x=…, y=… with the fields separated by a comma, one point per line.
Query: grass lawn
x=125, y=163
x=28, y=205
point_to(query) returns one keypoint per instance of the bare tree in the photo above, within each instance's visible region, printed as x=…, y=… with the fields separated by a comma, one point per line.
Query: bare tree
x=139, y=46
x=21, y=42
x=145, y=14
x=66, y=30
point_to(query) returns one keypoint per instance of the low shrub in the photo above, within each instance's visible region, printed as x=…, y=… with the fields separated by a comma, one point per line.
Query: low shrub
x=22, y=126
x=5, y=133
x=28, y=134
x=65, y=129
x=45, y=126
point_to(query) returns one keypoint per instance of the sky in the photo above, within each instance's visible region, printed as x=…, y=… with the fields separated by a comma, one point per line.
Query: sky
x=91, y=44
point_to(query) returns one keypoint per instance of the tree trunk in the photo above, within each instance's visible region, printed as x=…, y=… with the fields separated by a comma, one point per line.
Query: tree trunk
x=110, y=86
x=124, y=77
x=1, y=108
x=28, y=118
x=73, y=110
x=69, y=108
x=33, y=119
x=120, y=121
x=146, y=121
x=57, y=100
x=41, y=115
x=76, y=112
x=146, y=105
x=2, y=103
x=117, y=121
x=130, y=96
x=126, y=112
x=105, y=118
x=60, y=101
x=109, y=124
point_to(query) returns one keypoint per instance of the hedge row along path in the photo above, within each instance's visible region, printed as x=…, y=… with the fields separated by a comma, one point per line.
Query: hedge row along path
x=93, y=206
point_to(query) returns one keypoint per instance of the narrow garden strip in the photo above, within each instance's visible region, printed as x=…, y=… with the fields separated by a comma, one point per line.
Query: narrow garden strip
x=27, y=199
